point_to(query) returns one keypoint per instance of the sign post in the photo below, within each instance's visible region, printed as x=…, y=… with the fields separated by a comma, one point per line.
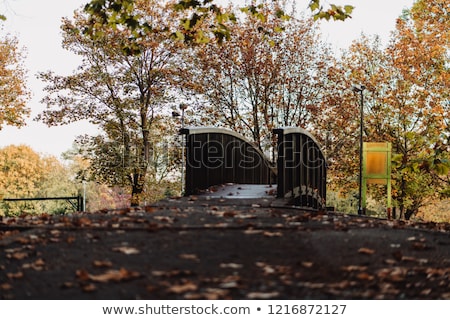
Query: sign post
x=377, y=168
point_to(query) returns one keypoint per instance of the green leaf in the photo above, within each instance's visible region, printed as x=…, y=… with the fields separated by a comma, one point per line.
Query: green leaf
x=349, y=9
x=314, y=5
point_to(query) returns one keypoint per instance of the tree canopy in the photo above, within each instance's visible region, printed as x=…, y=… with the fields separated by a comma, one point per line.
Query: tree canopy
x=13, y=92
x=273, y=71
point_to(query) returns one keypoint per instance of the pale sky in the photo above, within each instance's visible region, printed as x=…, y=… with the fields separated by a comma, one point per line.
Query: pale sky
x=36, y=24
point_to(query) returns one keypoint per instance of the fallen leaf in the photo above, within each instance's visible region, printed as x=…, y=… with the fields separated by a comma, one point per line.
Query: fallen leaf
x=187, y=256
x=366, y=251
x=18, y=255
x=171, y=273
x=408, y=259
x=231, y=265
x=67, y=285
x=395, y=274
x=425, y=292
x=365, y=276
x=352, y=268
x=229, y=285
x=5, y=286
x=272, y=234
x=215, y=293
x=266, y=267
x=126, y=250
x=446, y=296
x=252, y=231
x=229, y=214
x=110, y=275
x=90, y=287
x=17, y=275
x=307, y=264
x=390, y=261
x=102, y=263
x=262, y=295
x=70, y=239
x=182, y=288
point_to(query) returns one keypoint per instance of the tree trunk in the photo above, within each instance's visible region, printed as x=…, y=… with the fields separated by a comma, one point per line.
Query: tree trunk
x=137, y=188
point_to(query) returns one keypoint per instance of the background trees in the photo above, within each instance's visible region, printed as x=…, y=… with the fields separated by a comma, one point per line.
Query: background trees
x=406, y=104
x=270, y=73
x=13, y=92
x=25, y=173
x=122, y=91
x=251, y=69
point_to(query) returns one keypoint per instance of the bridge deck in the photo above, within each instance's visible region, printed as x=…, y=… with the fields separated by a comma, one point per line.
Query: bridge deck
x=242, y=191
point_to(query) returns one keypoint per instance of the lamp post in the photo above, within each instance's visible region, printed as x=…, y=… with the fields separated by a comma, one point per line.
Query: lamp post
x=183, y=107
x=359, y=89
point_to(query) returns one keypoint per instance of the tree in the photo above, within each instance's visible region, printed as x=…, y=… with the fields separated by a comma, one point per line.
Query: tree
x=420, y=96
x=195, y=13
x=406, y=103
x=263, y=77
x=27, y=174
x=13, y=92
x=121, y=92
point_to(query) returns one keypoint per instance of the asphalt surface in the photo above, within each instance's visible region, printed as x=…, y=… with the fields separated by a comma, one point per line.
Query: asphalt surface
x=221, y=248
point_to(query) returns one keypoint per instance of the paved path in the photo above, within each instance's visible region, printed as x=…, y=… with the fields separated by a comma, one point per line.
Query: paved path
x=216, y=248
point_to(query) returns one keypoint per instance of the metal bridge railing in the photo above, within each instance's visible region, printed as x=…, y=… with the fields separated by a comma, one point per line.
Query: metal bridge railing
x=217, y=156
x=302, y=168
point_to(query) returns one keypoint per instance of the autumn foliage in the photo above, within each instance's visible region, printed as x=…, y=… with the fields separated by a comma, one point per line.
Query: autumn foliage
x=252, y=69
x=13, y=92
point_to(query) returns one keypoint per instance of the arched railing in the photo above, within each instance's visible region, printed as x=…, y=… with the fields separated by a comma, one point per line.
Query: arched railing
x=302, y=168
x=217, y=156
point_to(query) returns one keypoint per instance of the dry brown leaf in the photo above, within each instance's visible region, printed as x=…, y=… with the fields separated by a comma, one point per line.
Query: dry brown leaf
x=171, y=273
x=70, y=239
x=425, y=292
x=229, y=214
x=262, y=295
x=90, y=287
x=272, y=234
x=307, y=264
x=82, y=274
x=110, y=275
x=188, y=256
x=18, y=255
x=17, y=275
x=182, y=288
x=445, y=296
x=268, y=269
x=5, y=286
x=126, y=250
x=252, y=231
x=352, y=268
x=390, y=261
x=408, y=259
x=229, y=285
x=231, y=265
x=102, y=263
x=67, y=285
x=395, y=274
x=366, y=251
x=365, y=276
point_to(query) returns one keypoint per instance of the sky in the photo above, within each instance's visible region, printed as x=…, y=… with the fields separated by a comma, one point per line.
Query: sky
x=36, y=24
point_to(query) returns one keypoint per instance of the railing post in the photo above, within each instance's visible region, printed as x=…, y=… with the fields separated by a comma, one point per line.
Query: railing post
x=301, y=168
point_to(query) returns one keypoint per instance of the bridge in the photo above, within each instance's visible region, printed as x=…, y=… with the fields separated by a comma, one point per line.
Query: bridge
x=221, y=157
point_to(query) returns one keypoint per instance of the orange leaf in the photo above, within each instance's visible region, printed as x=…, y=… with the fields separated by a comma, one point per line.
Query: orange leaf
x=182, y=288
x=366, y=251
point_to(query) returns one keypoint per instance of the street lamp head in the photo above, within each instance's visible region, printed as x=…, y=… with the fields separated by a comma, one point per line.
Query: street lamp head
x=175, y=114
x=358, y=88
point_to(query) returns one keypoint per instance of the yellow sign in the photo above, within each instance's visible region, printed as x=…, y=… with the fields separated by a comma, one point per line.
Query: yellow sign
x=377, y=164
x=377, y=168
